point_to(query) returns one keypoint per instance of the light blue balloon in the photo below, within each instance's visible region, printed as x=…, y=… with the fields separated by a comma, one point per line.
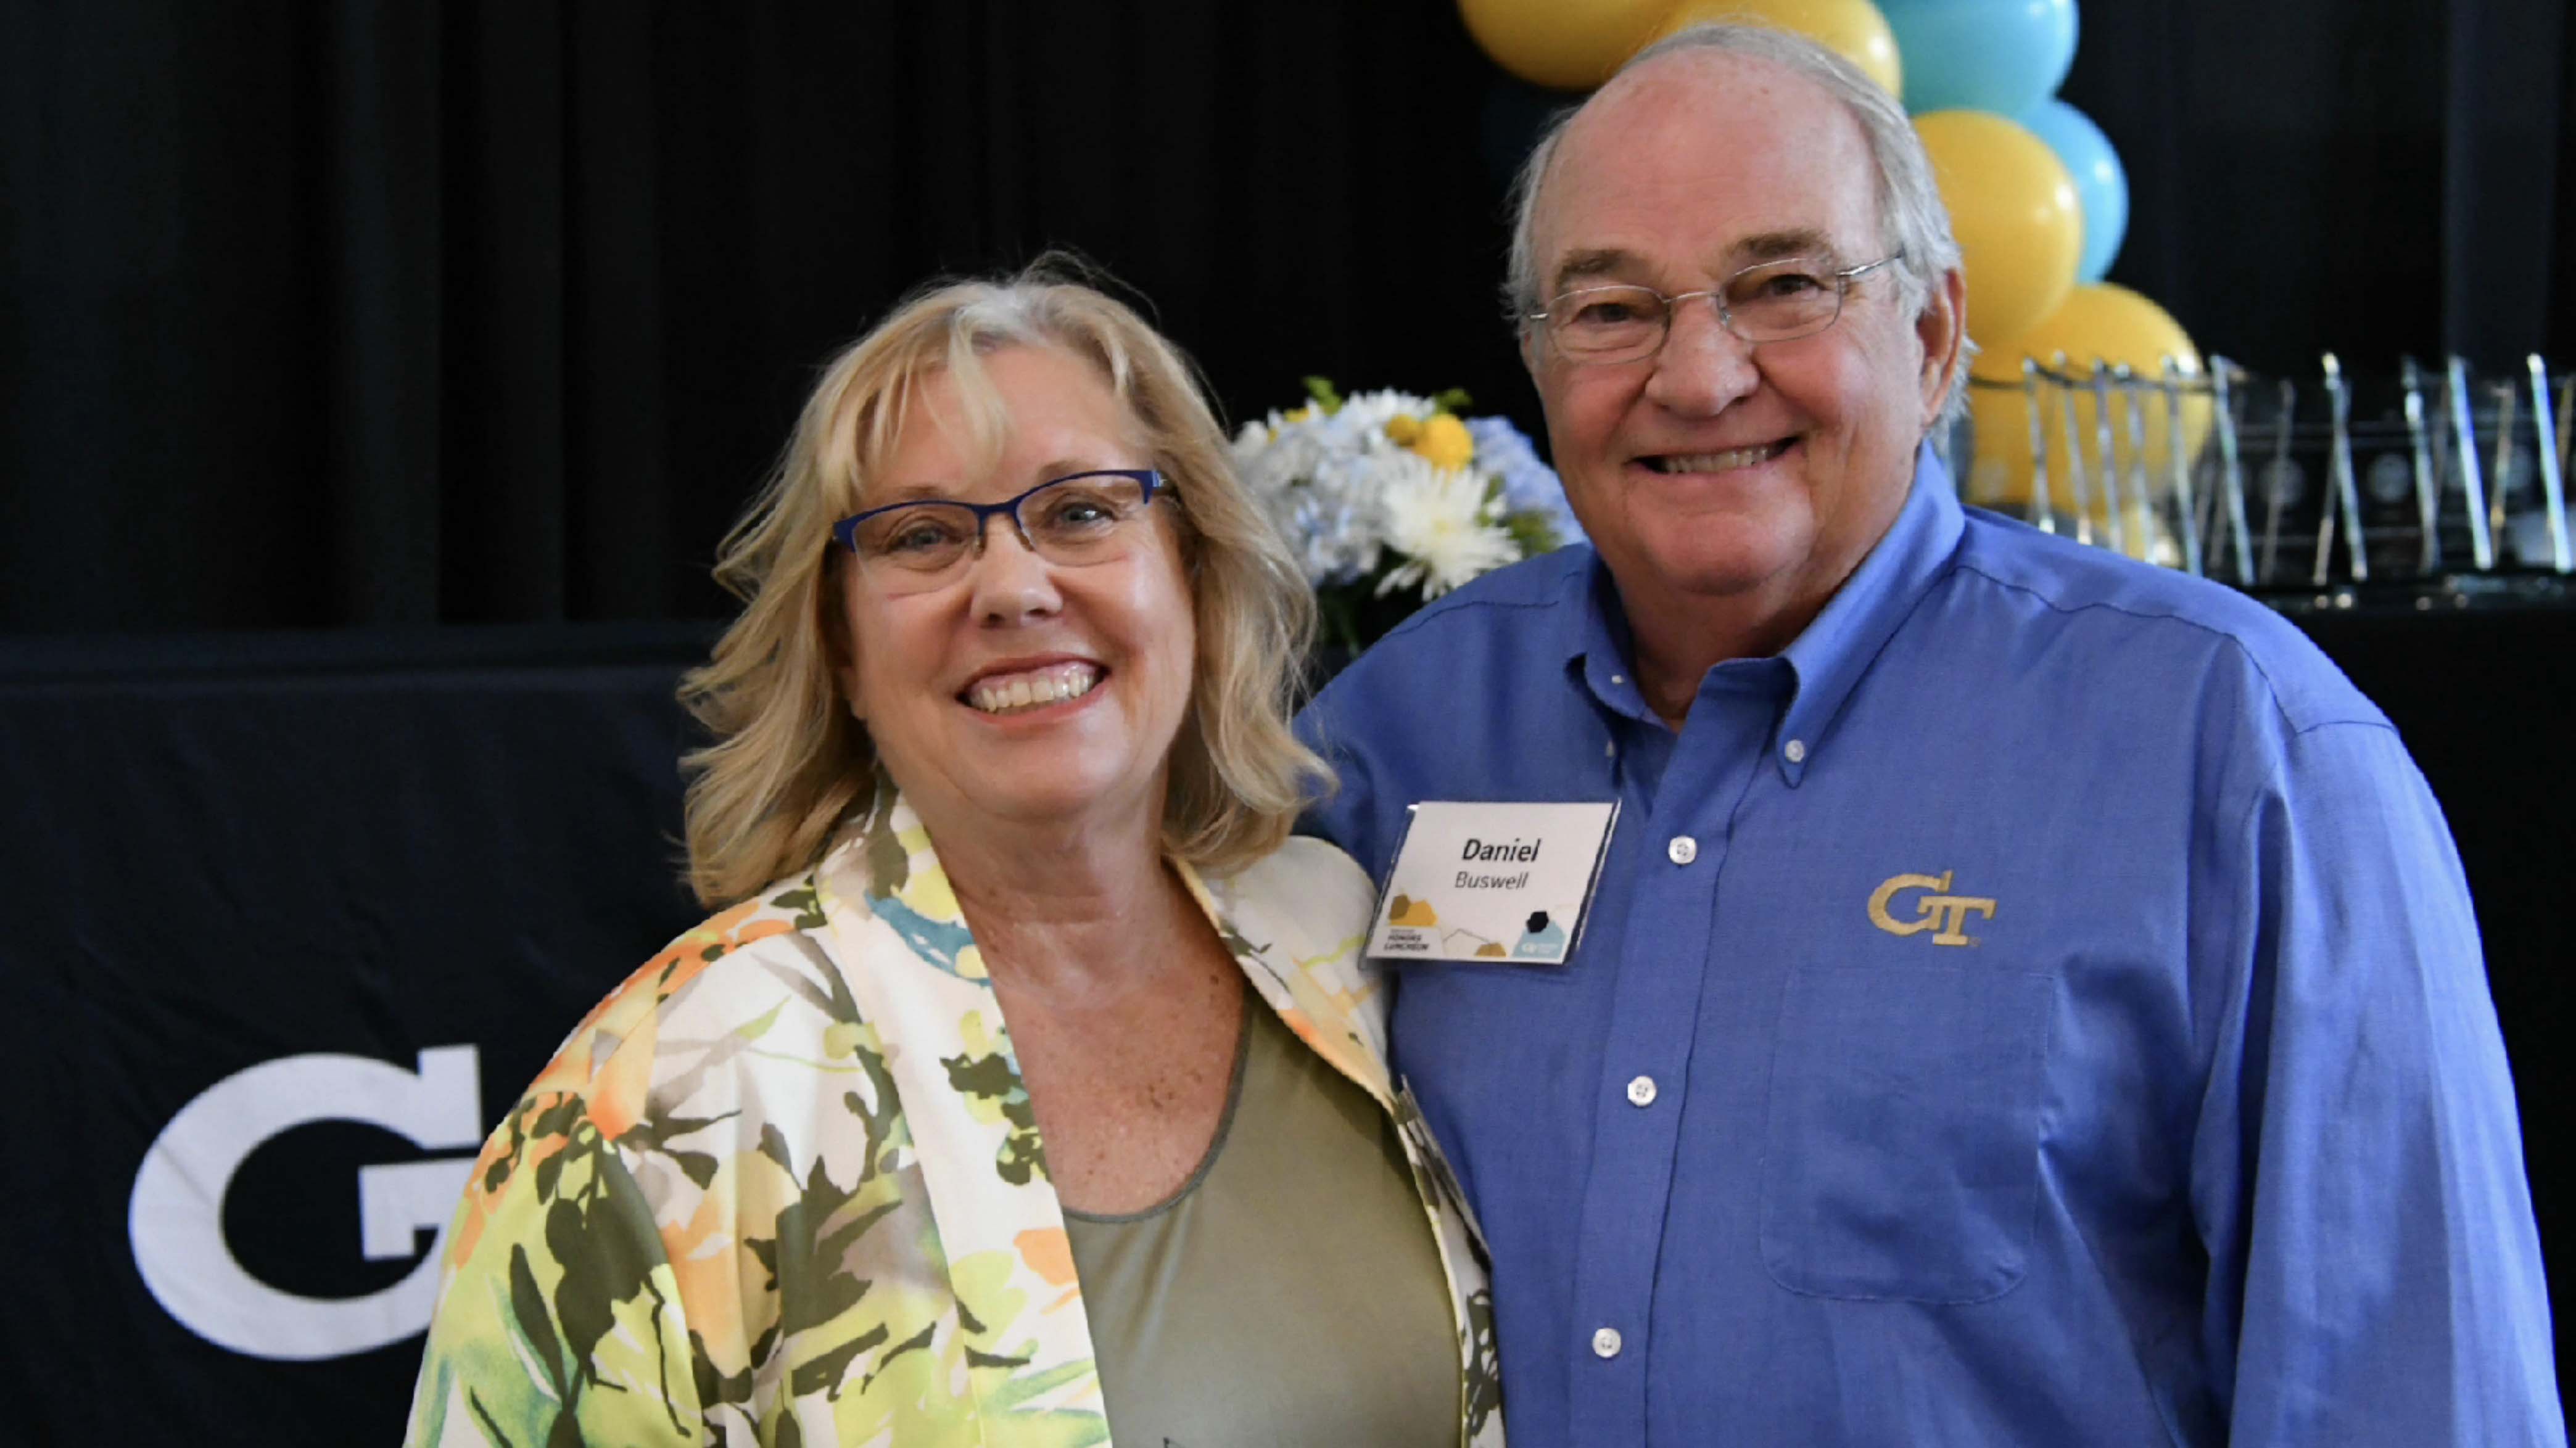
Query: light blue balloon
x=2100, y=185
x=2003, y=56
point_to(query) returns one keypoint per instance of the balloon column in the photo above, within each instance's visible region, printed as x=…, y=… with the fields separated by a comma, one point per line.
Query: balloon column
x=2036, y=194
x=1576, y=44
x=1852, y=29
x=2013, y=208
x=1566, y=44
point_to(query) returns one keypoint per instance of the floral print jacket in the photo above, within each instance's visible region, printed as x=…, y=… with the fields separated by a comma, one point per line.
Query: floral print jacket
x=784, y=1186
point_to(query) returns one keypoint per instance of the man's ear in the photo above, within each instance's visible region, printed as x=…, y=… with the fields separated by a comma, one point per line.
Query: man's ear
x=1942, y=328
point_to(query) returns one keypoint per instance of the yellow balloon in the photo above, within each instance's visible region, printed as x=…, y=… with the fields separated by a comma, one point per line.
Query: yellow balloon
x=1567, y=44
x=2103, y=321
x=2013, y=208
x=1852, y=29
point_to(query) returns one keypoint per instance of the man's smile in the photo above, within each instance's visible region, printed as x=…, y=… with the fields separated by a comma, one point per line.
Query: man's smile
x=1728, y=460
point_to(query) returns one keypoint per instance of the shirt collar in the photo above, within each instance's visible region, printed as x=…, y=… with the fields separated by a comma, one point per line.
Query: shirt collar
x=1836, y=649
x=1829, y=657
x=1599, y=651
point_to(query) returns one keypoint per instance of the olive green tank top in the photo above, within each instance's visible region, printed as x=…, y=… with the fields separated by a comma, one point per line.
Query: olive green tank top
x=1290, y=1293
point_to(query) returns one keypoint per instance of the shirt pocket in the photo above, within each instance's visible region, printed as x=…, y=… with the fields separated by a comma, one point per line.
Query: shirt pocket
x=1900, y=1156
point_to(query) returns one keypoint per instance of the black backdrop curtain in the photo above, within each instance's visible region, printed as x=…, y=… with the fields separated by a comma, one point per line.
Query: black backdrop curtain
x=391, y=313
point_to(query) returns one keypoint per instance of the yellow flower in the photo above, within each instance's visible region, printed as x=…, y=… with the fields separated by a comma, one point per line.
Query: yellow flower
x=1443, y=441
x=1299, y=414
x=1403, y=431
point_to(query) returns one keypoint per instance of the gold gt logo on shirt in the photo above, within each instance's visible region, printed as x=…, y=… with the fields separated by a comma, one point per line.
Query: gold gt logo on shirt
x=1941, y=912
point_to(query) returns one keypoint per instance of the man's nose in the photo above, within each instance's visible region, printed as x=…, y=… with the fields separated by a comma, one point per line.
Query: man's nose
x=1703, y=367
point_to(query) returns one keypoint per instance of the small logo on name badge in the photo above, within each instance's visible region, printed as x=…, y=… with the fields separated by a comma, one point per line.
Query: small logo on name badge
x=1541, y=939
x=1941, y=912
x=1413, y=927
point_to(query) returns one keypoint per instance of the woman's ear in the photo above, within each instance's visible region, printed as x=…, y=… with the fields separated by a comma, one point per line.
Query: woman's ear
x=831, y=603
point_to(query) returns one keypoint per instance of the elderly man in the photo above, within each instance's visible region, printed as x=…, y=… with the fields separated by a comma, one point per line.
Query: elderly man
x=2030, y=997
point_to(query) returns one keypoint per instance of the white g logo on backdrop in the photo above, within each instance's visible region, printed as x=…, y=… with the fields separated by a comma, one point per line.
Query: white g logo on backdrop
x=176, y=1218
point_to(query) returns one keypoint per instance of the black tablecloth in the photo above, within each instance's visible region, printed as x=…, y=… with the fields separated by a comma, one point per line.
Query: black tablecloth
x=340, y=852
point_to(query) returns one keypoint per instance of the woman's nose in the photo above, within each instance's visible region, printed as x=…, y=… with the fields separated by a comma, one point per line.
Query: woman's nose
x=1011, y=581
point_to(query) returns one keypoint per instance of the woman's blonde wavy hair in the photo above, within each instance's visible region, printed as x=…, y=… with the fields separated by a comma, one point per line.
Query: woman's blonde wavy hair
x=787, y=762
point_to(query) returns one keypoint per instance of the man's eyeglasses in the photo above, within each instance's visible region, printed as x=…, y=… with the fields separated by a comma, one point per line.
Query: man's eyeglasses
x=1773, y=301
x=1072, y=520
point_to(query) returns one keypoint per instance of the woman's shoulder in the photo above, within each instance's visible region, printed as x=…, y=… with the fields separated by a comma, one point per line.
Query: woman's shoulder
x=778, y=925
x=727, y=1083
x=740, y=1015
x=729, y=977
x=1297, y=921
x=1307, y=879
x=1308, y=897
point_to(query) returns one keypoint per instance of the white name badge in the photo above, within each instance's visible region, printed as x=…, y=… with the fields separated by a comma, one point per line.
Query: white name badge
x=1507, y=883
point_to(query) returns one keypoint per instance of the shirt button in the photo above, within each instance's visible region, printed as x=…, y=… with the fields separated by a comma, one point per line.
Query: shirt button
x=1641, y=1091
x=1682, y=850
x=1795, y=751
x=1618, y=678
x=1605, y=1343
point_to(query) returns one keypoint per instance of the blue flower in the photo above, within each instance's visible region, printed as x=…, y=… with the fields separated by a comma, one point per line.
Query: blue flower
x=1529, y=485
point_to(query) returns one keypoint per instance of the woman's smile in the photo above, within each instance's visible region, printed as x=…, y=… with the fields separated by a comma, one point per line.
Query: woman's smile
x=1017, y=690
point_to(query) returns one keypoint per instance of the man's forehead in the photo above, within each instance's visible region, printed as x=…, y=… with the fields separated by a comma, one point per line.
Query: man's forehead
x=1753, y=160
x=1721, y=254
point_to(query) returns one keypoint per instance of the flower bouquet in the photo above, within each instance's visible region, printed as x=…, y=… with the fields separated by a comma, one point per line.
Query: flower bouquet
x=1390, y=500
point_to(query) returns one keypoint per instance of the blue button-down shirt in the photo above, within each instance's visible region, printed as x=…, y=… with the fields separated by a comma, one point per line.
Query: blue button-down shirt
x=2040, y=1006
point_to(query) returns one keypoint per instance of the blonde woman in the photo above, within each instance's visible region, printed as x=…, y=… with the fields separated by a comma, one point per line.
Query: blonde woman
x=1029, y=1089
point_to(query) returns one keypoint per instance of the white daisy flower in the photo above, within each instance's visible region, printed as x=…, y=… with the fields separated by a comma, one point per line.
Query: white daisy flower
x=1366, y=414
x=1436, y=518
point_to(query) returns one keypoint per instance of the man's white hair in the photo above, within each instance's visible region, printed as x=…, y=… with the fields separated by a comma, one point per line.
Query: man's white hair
x=1912, y=221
